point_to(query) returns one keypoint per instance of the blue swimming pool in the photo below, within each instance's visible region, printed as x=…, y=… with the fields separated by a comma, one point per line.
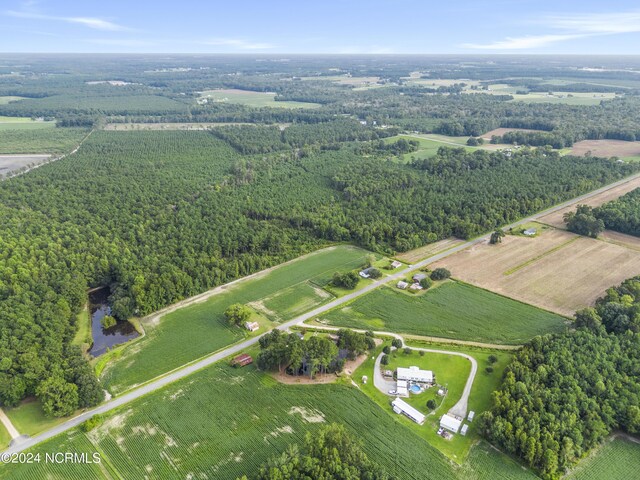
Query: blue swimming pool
x=415, y=389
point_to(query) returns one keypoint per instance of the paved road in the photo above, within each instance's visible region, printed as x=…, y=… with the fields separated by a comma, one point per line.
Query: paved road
x=189, y=369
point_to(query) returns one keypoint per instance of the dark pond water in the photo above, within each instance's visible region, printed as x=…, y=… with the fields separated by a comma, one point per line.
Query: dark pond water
x=104, y=338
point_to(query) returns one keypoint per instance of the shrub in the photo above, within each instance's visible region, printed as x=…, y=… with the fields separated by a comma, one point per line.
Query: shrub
x=92, y=423
x=407, y=351
x=492, y=359
x=489, y=370
x=387, y=349
x=440, y=274
x=396, y=342
x=422, y=353
x=431, y=404
x=108, y=321
x=426, y=283
x=384, y=360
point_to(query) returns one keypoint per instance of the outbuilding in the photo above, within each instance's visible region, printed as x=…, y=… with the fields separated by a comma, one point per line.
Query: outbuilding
x=414, y=374
x=451, y=423
x=471, y=415
x=402, y=285
x=252, y=326
x=400, y=406
x=465, y=427
x=419, y=276
x=401, y=388
x=530, y=232
x=242, y=360
x=396, y=264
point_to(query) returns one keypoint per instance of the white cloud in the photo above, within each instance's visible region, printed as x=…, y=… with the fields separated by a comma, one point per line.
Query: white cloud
x=569, y=27
x=91, y=22
x=238, y=44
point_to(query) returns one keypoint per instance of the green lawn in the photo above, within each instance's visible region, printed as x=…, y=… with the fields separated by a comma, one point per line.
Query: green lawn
x=5, y=438
x=192, y=332
x=617, y=459
x=6, y=99
x=83, y=336
x=252, y=99
x=453, y=310
x=40, y=140
x=29, y=418
x=224, y=422
x=429, y=144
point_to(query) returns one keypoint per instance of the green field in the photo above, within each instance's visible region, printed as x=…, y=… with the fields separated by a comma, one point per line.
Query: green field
x=573, y=98
x=201, y=428
x=617, y=459
x=429, y=145
x=5, y=438
x=452, y=310
x=83, y=336
x=28, y=417
x=40, y=140
x=486, y=463
x=6, y=99
x=192, y=332
x=252, y=99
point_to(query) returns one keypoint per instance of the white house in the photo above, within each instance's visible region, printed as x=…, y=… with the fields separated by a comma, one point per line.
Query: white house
x=402, y=285
x=252, y=326
x=450, y=423
x=400, y=406
x=414, y=374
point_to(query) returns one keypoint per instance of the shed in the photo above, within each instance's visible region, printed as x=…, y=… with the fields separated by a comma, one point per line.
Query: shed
x=419, y=276
x=451, y=423
x=252, y=326
x=396, y=264
x=400, y=406
x=471, y=415
x=530, y=232
x=402, y=285
x=415, y=286
x=242, y=360
x=465, y=427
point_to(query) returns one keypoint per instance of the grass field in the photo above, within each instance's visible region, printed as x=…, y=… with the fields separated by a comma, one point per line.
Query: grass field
x=414, y=256
x=194, y=331
x=252, y=99
x=5, y=438
x=202, y=428
x=9, y=98
x=83, y=335
x=574, y=98
x=452, y=310
x=29, y=418
x=40, y=140
x=547, y=271
x=608, y=148
x=617, y=459
x=486, y=463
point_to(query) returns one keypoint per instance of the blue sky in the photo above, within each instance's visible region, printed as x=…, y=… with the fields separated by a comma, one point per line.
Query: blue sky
x=321, y=26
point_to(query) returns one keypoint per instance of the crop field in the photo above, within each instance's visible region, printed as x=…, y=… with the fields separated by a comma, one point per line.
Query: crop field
x=9, y=163
x=191, y=332
x=413, y=256
x=573, y=98
x=618, y=459
x=486, y=463
x=555, y=218
x=201, y=428
x=40, y=140
x=451, y=310
x=622, y=239
x=547, y=271
x=608, y=148
x=252, y=99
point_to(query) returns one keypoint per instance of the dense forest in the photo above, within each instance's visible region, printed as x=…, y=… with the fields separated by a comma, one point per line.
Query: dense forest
x=563, y=394
x=623, y=214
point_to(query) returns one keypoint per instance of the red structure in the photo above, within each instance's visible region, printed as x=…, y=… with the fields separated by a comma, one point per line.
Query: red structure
x=242, y=360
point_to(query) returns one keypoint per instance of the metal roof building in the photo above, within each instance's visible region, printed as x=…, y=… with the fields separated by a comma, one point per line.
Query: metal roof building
x=414, y=374
x=450, y=423
x=400, y=406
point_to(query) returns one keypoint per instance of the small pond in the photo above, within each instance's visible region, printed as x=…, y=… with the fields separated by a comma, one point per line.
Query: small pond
x=104, y=338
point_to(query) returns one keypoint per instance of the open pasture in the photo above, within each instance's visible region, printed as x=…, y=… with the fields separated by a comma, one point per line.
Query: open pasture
x=185, y=334
x=608, y=148
x=40, y=140
x=9, y=163
x=251, y=99
x=557, y=270
x=501, y=131
x=555, y=218
x=169, y=126
x=572, y=98
x=451, y=310
x=224, y=422
x=417, y=254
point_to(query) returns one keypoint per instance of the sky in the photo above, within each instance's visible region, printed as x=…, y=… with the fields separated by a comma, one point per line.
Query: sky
x=321, y=26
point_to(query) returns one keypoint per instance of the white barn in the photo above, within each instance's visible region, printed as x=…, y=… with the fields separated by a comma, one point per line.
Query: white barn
x=414, y=374
x=451, y=423
x=400, y=406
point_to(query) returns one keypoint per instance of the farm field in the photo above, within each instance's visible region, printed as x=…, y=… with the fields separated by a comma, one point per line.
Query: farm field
x=617, y=459
x=252, y=99
x=193, y=331
x=555, y=218
x=486, y=463
x=547, y=271
x=451, y=310
x=501, y=131
x=40, y=140
x=201, y=428
x=622, y=239
x=415, y=255
x=9, y=163
x=428, y=147
x=573, y=98
x=168, y=126
x=608, y=148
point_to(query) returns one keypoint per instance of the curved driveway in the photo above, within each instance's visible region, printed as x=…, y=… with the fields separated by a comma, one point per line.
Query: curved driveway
x=178, y=374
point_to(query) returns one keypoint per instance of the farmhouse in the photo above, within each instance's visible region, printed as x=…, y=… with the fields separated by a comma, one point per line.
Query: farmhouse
x=530, y=232
x=366, y=272
x=402, y=285
x=419, y=276
x=400, y=406
x=242, y=360
x=252, y=326
x=414, y=374
x=396, y=264
x=450, y=423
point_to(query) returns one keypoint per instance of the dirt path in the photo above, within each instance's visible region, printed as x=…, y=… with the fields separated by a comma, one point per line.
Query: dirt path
x=8, y=425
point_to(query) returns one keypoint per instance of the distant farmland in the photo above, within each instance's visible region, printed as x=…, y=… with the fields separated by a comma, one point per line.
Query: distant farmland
x=452, y=310
x=251, y=99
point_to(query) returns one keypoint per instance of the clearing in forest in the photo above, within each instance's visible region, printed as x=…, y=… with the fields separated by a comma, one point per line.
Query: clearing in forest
x=250, y=98
x=608, y=148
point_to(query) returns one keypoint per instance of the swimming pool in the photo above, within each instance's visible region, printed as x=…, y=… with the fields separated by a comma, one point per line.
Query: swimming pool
x=415, y=389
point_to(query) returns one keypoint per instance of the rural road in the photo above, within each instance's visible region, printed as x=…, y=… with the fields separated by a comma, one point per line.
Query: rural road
x=215, y=357
x=8, y=425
